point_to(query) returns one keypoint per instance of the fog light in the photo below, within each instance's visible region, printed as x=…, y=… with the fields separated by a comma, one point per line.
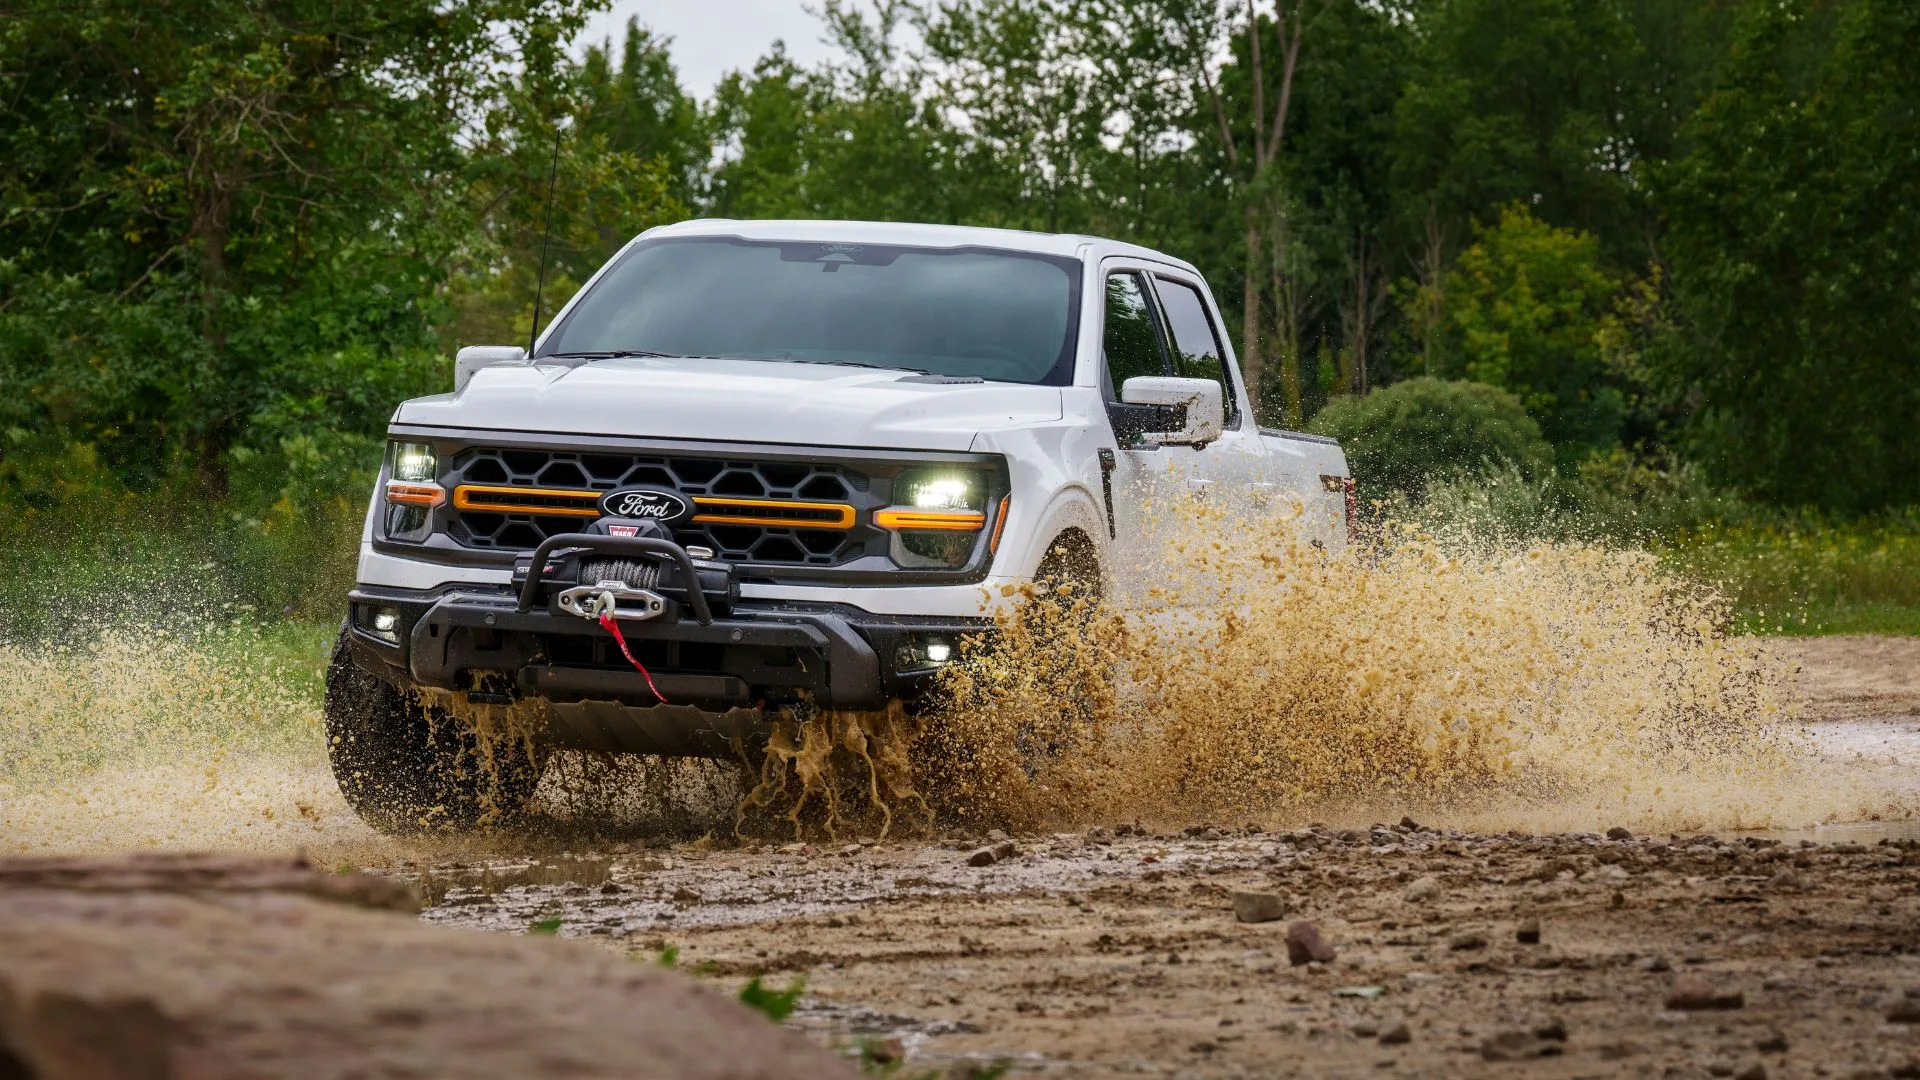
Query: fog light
x=920, y=652
x=381, y=622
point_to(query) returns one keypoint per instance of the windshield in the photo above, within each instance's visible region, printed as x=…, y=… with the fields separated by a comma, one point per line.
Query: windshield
x=1000, y=315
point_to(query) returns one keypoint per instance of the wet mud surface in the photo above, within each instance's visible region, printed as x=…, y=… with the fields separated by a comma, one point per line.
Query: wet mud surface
x=1124, y=950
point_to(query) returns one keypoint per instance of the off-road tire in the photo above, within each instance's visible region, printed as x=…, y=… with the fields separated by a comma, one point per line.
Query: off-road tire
x=1075, y=565
x=1071, y=562
x=404, y=768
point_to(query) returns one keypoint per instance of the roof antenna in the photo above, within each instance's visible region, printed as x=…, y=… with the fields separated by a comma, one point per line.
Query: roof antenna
x=546, y=238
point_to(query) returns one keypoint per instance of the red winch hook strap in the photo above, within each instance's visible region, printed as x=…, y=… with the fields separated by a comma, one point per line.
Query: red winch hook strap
x=608, y=624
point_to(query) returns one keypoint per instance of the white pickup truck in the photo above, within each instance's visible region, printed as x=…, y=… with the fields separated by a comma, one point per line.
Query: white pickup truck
x=764, y=465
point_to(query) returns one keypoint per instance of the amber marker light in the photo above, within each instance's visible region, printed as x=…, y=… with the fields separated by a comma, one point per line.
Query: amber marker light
x=999, y=524
x=411, y=493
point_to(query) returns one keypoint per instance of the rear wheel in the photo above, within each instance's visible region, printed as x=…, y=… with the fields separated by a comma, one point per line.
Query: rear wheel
x=406, y=768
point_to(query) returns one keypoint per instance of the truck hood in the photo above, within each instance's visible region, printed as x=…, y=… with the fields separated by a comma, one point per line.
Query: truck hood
x=735, y=401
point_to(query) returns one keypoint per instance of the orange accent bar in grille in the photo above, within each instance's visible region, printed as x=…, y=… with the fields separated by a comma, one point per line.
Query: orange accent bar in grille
x=572, y=502
x=561, y=502
x=776, y=512
x=931, y=520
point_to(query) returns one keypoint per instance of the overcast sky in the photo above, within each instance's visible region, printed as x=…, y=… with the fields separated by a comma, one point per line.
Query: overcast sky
x=713, y=37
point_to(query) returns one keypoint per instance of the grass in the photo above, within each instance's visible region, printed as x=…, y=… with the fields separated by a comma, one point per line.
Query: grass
x=1813, y=577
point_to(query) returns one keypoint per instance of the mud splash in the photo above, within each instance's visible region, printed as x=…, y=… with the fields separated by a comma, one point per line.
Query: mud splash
x=816, y=769
x=1479, y=686
x=158, y=737
x=1268, y=680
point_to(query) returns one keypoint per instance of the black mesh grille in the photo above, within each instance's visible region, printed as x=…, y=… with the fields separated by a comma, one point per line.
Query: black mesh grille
x=729, y=478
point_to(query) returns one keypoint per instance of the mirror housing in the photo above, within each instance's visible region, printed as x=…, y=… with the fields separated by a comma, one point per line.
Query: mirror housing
x=1198, y=412
x=474, y=357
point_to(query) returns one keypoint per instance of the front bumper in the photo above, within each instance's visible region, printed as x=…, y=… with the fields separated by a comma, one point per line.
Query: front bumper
x=470, y=645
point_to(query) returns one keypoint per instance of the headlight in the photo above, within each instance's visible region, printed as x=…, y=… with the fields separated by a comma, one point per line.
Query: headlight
x=934, y=491
x=936, y=517
x=413, y=461
x=412, y=494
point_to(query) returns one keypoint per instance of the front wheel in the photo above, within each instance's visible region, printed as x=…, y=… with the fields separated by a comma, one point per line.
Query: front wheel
x=406, y=768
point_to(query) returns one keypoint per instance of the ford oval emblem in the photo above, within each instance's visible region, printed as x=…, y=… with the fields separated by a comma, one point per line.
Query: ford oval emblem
x=650, y=504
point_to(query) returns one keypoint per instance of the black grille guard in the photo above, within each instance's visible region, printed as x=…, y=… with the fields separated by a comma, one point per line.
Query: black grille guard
x=616, y=545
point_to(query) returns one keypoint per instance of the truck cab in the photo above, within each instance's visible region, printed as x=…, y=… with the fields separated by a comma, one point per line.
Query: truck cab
x=764, y=466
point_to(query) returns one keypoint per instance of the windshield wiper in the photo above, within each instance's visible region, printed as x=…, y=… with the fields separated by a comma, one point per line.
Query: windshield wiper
x=851, y=363
x=605, y=354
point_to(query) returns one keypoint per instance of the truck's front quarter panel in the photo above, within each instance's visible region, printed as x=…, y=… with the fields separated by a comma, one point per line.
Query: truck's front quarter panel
x=1057, y=483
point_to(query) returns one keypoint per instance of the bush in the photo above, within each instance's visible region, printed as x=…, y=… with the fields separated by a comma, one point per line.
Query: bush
x=1421, y=431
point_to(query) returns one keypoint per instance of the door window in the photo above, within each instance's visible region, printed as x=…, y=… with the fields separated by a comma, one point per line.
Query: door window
x=1131, y=345
x=1196, y=347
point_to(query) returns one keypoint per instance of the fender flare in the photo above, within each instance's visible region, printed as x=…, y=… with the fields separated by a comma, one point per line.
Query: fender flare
x=1072, y=507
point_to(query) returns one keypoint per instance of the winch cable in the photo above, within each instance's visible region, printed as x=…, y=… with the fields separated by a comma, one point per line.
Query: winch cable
x=611, y=626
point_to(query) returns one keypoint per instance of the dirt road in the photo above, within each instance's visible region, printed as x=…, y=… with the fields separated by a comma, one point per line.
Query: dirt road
x=1118, y=951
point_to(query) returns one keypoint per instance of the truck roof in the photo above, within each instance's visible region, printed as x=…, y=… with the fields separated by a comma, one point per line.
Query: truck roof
x=910, y=234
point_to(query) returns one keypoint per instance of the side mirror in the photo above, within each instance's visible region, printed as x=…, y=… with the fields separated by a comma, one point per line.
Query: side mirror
x=474, y=357
x=1196, y=412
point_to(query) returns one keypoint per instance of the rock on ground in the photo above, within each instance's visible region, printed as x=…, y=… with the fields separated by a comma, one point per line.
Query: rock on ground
x=153, y=967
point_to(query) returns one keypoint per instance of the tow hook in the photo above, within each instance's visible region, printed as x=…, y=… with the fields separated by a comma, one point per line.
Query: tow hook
x=613, y=598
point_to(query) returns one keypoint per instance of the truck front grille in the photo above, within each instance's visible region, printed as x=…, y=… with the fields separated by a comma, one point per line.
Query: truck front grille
x=775, y=512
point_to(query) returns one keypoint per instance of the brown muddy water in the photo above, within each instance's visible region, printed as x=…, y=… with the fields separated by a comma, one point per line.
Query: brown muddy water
x=1014, y=880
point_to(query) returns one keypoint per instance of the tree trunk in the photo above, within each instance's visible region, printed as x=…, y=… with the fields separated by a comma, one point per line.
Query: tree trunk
x=1250, y=366
x=1432, y=299
x=1286, y=318
x=210, y=225
x=1358, y=314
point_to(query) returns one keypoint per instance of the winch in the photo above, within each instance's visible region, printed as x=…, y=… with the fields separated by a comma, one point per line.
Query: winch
x=626, y=569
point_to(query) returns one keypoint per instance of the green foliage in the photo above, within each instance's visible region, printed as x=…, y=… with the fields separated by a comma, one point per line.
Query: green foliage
x=775, y=1005
x=546, y=927
x=1401, y=439
x=1803, y=574
x=669, y=956
x=1795, y=247
x=207, y=196
x=1524, y=309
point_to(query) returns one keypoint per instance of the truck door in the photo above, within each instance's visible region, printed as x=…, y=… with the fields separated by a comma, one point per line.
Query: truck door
x=1230, y=467
x=1132, y=345
x=1139, y=338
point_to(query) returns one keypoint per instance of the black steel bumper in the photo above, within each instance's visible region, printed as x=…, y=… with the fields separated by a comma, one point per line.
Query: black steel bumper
x=476, y=640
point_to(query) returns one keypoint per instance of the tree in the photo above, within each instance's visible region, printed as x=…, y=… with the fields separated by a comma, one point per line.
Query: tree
x=1794, y=245
x=1524, y=310
x=205, y=197
x=639, y=107
x=851, y=139
x=1251, y=169
x=1012, y=72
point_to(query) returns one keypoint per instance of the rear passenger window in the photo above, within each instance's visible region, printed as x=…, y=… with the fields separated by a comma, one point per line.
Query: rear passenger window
x=1196, y=348
x=1131, y=346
